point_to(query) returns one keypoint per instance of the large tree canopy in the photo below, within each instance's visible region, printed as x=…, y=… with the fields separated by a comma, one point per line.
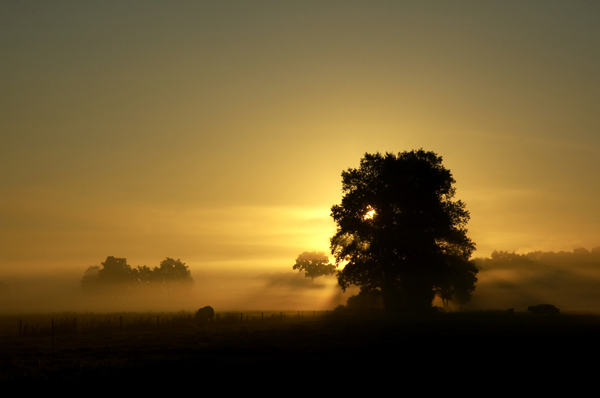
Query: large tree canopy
x=400, y=231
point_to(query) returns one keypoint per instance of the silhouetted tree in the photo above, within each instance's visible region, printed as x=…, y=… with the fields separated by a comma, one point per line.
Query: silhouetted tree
x=399, y=228
x=173, y=271
x=115, y=270
x=459, y=282
x=115, y=276
x=314, y=264
x=89, y=282
x=143, y=275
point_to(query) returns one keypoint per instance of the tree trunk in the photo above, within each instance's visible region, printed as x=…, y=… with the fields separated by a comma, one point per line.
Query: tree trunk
x=417, y=294
x=411, y=293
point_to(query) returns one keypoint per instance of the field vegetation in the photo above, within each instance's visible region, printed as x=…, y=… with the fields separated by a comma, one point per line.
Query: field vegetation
x=142, y=347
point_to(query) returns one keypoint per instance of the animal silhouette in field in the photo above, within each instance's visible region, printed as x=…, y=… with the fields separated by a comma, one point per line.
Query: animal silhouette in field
x=205, y=314
x=543, y=309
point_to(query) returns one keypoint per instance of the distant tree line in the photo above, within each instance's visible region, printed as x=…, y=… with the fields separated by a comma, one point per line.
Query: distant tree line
x=115, y=276
x=504, y=259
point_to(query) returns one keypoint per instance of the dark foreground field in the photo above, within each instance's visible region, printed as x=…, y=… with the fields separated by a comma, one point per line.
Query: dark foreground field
x=134, y=348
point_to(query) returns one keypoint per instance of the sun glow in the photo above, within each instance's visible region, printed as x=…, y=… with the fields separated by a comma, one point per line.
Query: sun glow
x=370, y=213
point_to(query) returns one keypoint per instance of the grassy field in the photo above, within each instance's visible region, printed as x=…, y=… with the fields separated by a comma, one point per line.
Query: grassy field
x=146, y=347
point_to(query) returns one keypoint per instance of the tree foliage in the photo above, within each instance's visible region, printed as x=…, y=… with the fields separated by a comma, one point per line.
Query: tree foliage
x=400, y=230
x=365, y=300
x=115, y=276
x=172, y=274
x=458, y=283
x=89, y=282
x=171, y=270
x=314, y=264
x=115, y=271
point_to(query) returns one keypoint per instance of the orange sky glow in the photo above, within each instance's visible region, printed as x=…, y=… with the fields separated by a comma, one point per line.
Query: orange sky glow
x=216, y=132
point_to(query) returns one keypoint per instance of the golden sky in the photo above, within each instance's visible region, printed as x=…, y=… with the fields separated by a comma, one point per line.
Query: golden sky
x=216, y=131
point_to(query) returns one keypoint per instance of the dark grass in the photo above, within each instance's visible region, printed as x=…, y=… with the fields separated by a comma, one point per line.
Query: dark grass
x=260, y=347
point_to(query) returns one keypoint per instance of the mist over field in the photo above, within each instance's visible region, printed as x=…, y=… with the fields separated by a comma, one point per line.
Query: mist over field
x=569, y=280
x=61, y=291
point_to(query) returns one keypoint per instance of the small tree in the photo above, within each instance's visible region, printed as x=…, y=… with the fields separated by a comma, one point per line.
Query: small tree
x=172, y=272
x=115, y=270
x=314, y=264
x=116, y=276
x=458, y=283
x=89, y=282
x=143, y=275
